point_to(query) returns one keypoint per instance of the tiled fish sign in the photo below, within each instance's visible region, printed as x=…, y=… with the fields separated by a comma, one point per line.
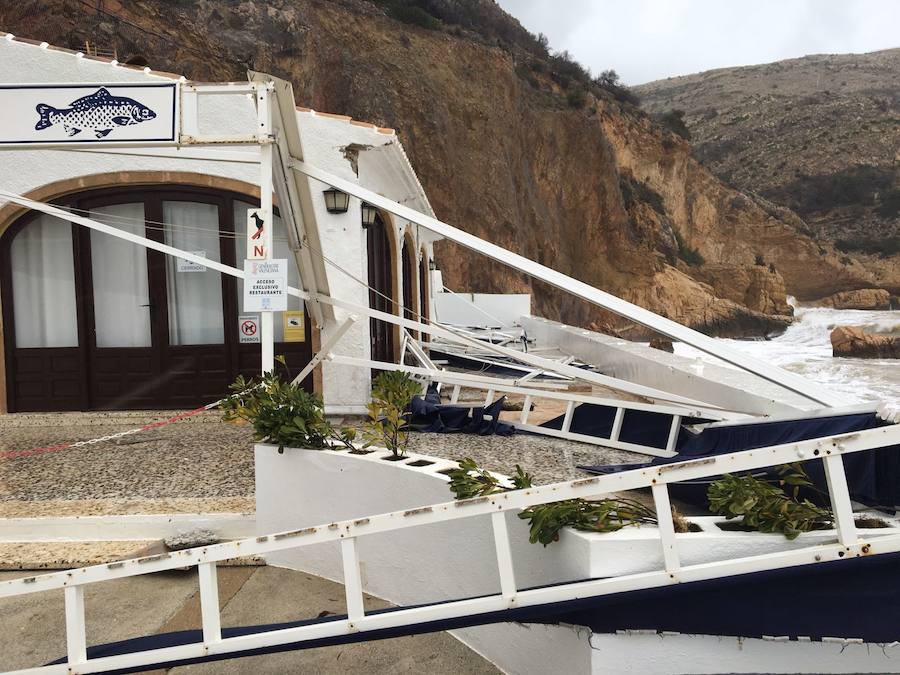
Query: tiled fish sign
x=88, y=114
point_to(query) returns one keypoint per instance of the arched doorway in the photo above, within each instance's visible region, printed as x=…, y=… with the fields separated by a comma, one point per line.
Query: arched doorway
x=380, y=256
x=93, y=322
x=410, y=281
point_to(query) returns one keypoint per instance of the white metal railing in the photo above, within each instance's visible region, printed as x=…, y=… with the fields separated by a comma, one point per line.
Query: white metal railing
x=848, y=545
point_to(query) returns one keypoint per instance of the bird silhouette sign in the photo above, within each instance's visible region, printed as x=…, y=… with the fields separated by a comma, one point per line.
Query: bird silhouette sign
x=259, y=236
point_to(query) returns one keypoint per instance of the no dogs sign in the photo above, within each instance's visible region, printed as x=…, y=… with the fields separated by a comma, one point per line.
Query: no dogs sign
x=248, y=329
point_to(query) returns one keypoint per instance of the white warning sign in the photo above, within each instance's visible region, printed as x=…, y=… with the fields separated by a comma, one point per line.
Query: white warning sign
x=265, y=285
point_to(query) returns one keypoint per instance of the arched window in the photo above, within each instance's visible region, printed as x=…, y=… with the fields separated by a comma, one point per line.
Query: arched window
x=95, y=322
x=380, y=257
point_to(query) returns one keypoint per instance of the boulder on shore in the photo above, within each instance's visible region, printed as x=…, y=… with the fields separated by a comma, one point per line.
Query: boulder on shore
x=855, y=342
x=863, y=298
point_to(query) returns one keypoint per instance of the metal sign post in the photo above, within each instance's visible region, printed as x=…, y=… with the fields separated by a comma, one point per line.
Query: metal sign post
x=264, y=130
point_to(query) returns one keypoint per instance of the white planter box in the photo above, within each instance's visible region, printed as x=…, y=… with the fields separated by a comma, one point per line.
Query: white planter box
x=456, y=559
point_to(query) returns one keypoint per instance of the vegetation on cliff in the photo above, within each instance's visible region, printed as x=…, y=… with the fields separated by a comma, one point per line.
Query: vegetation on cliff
x=817, y=134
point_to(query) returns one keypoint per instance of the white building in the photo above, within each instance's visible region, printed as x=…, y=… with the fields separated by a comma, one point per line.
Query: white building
x=92, y=322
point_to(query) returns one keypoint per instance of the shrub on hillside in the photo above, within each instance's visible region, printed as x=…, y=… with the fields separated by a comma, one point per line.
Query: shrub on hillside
x=576, y=96
x=880, y=246
x=858, y=185
x=688, y=253
x=409, y=11
x=634, y=191
x=674, y=122
x=609, y=81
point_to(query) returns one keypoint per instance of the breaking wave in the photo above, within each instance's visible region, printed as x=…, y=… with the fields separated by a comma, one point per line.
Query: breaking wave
x=805, y=348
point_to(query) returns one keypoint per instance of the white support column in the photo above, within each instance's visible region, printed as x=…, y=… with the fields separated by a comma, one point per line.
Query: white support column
x=488, y=397
x=266, y=157
x=209, y=602
x=454, y=397
x=673, y=433
x=504, y=557
x=76, y=637
x=567, y=419
x=352, y=580
x=839, y=493
x=526, y=410
x=666, y=526
x=403, y=343
x=617, y=424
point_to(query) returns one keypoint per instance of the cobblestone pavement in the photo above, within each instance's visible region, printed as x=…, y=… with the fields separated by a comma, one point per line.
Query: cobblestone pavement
x=201, y=458
x=204, y=464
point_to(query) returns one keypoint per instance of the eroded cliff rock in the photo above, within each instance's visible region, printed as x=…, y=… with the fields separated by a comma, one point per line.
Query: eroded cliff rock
x=864, y=298
x=855, y=342
x=590, y=187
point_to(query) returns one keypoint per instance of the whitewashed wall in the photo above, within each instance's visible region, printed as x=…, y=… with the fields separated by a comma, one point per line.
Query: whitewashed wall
x=382, y=163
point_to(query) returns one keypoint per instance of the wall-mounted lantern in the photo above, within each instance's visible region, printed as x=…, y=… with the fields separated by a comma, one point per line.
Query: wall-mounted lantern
x=431, y=265
x=336, y=201
x=369, y=213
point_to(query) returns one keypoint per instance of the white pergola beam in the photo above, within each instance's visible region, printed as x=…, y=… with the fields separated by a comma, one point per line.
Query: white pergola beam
x=790, y=381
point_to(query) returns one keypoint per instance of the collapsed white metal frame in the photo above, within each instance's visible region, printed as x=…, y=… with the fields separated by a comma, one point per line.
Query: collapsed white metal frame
x=790, y=381
x=492, y=386
x=849, y=545
x=433, y=329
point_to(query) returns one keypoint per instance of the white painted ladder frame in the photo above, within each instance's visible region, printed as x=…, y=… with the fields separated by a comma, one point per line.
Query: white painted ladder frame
x=790, y=381
x=494, y=385
x=831, y=450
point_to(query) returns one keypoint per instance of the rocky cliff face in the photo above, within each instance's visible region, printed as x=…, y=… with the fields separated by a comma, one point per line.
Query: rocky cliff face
x=587, y=185
x=819, y=134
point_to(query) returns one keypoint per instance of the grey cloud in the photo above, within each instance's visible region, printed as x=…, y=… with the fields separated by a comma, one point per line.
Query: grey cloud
x=646, y=40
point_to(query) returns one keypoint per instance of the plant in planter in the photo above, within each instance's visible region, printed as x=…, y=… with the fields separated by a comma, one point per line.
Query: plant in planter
x=546, y=520
x=282, y=413
x=764, y=507
x=388, y=421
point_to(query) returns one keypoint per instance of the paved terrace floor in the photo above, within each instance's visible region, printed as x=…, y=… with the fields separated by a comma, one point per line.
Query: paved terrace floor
x=197, y=465
x=204, y=464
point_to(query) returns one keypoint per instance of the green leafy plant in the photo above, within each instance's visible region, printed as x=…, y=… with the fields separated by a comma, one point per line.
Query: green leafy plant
x=471, y=481
x=282, y=413
x=388, y=421
x=546, y=520
x=765, y=507
x=603, y=515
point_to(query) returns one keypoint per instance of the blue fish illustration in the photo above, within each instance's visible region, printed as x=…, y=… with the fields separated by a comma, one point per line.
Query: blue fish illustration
x=101, y=112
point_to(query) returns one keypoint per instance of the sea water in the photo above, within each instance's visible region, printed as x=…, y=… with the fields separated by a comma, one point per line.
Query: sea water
x=805, y=348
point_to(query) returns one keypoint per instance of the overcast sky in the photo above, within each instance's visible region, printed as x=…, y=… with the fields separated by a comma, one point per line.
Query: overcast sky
x=644, y=40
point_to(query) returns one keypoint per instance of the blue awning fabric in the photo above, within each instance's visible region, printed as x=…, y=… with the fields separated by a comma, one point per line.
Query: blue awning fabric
x=430, y=415
x=642, y=427
x=872, y=475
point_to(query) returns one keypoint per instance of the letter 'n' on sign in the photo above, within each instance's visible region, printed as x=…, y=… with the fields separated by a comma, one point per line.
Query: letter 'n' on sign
x=259, y=234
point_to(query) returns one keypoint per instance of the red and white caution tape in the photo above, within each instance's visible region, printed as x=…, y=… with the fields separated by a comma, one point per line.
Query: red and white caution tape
x=14, y=454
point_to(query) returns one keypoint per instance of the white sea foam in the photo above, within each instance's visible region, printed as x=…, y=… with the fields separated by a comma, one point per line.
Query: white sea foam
x=805, y=348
